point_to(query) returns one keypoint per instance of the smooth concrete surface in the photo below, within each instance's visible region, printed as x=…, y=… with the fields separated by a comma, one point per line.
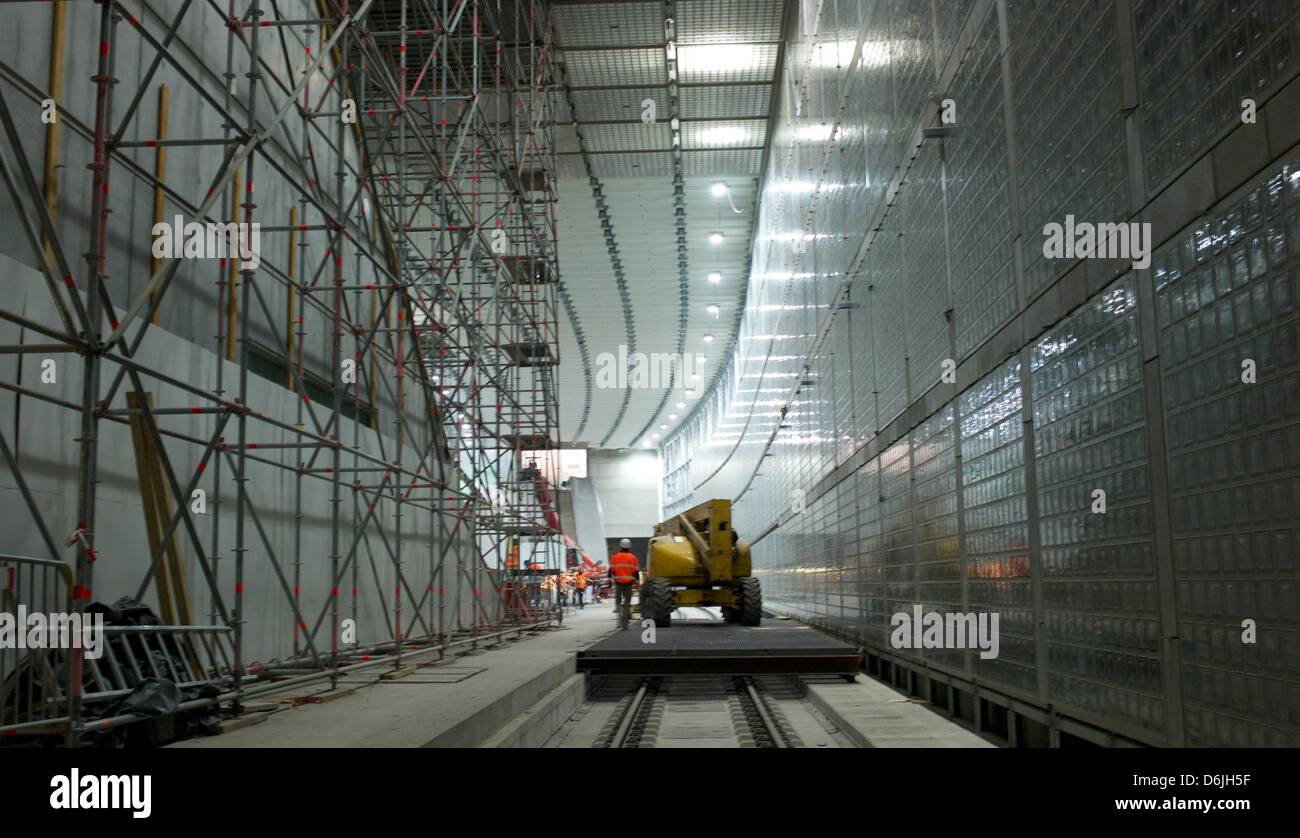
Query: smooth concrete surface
x=875, y=716
x=628, y=484
x=539, y=723
x=487, y=693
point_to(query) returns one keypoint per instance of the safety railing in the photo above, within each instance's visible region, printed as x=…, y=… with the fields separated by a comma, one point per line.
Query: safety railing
x=115, y=661
x=32, y=677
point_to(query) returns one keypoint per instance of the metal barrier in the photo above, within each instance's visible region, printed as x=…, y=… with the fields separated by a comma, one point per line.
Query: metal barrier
x=34, y=682
x=32, y=693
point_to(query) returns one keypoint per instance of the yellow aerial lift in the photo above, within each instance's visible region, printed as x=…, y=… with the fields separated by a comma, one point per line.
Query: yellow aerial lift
x=696, y=558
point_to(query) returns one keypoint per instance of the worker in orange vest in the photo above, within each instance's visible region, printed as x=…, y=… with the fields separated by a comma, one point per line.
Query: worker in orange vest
x=580, y=584
x=625, y=570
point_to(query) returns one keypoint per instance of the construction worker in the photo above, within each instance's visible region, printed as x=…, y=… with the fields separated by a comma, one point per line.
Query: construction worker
x=580, y=585
x=625, y=570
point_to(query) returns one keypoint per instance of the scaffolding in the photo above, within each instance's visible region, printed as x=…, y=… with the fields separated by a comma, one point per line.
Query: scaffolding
x=417, y=258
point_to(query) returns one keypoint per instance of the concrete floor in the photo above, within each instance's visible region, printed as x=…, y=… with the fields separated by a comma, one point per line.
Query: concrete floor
x=461, y=702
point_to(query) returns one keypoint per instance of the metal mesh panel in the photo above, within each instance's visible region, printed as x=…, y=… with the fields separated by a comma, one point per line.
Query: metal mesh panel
x=911, y=44
x=876, y=597
x=606, y=105
x=728, y=21
x=1099, y=591
x=623, y=66
x=925, y=267
x=995, y=515
x=897, y=548
x=633, y=137
x=1196, y=62
x=725, y=101
x=1226, y=293
x=950, y=14
x=979, y=212
x=610, y=25
x=938, y=562
x=889, y=305
x=659, y=164
x=1069, y=129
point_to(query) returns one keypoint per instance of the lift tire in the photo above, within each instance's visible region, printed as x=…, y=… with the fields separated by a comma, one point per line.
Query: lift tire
x=657, y=602
x=730, y=615
x=751, y=601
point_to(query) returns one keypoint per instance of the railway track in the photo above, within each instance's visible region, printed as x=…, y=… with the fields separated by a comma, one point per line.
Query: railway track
x=698, y=711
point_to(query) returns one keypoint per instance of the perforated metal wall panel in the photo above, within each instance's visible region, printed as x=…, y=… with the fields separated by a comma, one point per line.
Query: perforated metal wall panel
x=879, y=492
x=938, y=560
x=877, y=599
x=996, y=522
x=924, y=277
x=616, y=24
x=897, y=539
x=1068, y=122
x=888, y=282
x=723, y=21
x=1226, y=292
x=1099, y=596
x=1196, y=62
x=726, y=101
x=977, y=196
x=611, y=66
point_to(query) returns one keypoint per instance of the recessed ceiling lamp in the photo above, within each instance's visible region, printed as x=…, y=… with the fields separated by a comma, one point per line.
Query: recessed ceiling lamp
x=715, y=277
x=719, y=189
x=672, y=417
x=723, y=135
x=716, y=238
x=713, y=310
x=712, y=58
x=663, y=427
x=681, y=405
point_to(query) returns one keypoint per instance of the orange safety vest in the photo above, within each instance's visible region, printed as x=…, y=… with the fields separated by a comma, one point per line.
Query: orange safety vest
x=581, y=581
x=623, y=567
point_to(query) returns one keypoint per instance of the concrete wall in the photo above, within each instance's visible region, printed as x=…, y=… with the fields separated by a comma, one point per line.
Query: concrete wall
x=628, y=485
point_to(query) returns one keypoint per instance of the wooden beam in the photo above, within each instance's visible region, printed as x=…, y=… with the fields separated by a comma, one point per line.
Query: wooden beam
x=159, y=194
x=58, y=28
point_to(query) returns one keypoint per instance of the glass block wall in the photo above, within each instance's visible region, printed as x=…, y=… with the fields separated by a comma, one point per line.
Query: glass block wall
x=922, y=408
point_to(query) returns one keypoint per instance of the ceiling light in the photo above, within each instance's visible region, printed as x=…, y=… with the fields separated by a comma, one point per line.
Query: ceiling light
x=715, y=277
x=723, y=135
x=713, y=310
x=719, y=189
x=716, y=238
x=672, y=417
x=645, y=443
x=695, y=377
x=707, y=58
x=681, y=405
x=654, y=436
x=663, y=427
x=708, y=338
x=815, y=132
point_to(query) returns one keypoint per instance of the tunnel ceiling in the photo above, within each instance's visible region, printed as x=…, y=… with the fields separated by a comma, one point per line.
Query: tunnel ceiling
x=637, y=208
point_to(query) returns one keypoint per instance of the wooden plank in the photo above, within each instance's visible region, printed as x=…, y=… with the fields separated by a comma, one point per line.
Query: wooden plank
x=153, y=529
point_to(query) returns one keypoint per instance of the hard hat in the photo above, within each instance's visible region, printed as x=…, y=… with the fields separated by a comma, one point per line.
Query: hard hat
x=625, y=543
